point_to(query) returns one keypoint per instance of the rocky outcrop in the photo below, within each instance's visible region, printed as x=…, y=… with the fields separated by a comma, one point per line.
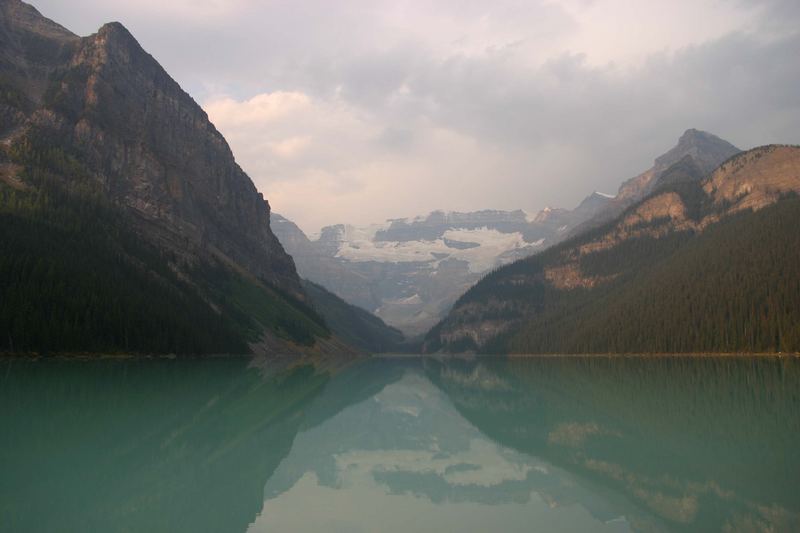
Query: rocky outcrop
x=570, y=276
x=756, y=178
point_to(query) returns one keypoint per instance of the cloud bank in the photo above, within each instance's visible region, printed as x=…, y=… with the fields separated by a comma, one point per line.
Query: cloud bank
x=359, y=111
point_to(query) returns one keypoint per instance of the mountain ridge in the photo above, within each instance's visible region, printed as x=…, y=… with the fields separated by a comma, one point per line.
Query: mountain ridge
x=556, y=300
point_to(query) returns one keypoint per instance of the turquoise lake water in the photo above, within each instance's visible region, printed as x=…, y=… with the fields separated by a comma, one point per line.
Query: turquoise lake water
x=401, y=444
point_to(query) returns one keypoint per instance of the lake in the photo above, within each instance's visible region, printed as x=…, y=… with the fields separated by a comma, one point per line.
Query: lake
x=401, y=444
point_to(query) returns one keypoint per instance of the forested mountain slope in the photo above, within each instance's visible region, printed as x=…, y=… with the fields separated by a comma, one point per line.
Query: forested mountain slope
x=127, y=225
x=702, y=264
x=357, y=327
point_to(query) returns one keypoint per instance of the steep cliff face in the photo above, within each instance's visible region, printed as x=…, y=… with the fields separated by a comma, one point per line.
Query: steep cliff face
x=98, y=115
x=153, y=150
x=705, y=264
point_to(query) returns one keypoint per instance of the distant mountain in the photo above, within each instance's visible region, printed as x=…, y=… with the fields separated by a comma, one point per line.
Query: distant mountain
x=126, y=223
x=699, y=264
x=410, y=271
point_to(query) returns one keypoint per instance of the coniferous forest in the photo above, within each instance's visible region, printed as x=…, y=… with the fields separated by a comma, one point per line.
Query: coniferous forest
x=733, y=288
x=75, y=278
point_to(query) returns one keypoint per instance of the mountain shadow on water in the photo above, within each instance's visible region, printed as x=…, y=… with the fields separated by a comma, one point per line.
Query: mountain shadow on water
x=151, y=445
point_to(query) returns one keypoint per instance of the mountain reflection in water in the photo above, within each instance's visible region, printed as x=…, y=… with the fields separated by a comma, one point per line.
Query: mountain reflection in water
x=567, y=444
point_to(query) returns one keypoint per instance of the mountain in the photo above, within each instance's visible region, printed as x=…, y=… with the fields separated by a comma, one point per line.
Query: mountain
x=127, y=224
x=357, y=327
x=705, y=150
x=709, y=265
x=410, y=271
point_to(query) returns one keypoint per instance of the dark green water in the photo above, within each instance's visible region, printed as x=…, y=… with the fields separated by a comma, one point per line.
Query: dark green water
x=407, y=444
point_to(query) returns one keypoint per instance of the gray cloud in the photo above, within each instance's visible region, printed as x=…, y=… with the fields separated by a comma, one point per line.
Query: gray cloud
x=395, y=109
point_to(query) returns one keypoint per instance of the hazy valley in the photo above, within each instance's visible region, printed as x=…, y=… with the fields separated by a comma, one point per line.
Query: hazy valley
x=409, y=272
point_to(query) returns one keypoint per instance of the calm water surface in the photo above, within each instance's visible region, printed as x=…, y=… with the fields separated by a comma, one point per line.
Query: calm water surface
x=407, y=444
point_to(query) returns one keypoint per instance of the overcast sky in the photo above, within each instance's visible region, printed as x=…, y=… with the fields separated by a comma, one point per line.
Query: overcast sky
x=359, y=111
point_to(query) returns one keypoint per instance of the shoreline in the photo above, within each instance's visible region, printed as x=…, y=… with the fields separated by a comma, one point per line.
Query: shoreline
x=121, y=356
x=129, y=356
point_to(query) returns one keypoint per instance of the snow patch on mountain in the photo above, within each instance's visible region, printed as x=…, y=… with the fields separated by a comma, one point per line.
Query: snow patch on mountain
x=357, y=246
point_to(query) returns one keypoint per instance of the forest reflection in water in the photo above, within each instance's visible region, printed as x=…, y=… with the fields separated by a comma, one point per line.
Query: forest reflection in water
x=384, y=444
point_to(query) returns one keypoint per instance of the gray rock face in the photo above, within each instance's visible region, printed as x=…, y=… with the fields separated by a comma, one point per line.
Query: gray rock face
x=146, y=143
x=32, y=48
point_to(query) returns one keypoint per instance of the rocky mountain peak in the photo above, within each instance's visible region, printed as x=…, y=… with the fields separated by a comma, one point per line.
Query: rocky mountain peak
x=707, y=150
x=26, y=19
x=593, y=203
x=693, y=134
x=32, y=47
x=117, y=29
x=116, y=37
